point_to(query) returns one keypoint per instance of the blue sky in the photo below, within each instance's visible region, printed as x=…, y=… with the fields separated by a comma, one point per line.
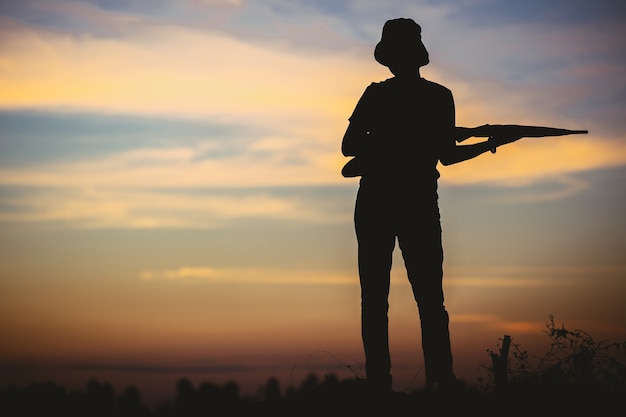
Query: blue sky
x=155, y=153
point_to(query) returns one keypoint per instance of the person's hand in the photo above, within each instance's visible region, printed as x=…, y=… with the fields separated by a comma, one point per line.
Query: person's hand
x=503, y=139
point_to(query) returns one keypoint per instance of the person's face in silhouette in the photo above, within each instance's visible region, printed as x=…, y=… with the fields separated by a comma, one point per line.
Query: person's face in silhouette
x=410, y=63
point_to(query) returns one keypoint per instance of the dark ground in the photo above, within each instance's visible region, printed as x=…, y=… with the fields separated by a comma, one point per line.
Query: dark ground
x=315, y=397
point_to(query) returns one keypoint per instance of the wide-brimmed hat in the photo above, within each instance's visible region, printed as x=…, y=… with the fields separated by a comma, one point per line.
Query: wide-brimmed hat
x=401, y=42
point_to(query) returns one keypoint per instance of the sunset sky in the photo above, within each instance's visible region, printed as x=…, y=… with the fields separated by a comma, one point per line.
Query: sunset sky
x=171, y=200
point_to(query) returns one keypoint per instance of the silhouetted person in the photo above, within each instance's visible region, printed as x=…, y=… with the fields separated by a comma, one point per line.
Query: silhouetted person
x=400, y=129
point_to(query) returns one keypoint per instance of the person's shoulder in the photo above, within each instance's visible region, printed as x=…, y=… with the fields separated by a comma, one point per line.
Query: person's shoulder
x=423, y=82
x=383, y=83
x=394, y=85
x=377, y=85
x=436, y=86
x=382, y=87
x=374, y=89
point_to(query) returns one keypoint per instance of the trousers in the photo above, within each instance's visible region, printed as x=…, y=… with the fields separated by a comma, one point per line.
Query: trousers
x=410, y=215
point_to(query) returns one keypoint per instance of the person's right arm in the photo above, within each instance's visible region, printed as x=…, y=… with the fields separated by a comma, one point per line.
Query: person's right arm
x=356, y=138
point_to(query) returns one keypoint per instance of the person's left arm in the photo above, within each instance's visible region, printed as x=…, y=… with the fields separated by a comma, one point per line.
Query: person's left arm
x=451, y=152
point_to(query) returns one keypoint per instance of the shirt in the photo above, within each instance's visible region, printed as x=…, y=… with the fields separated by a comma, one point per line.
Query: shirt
x=403, y=125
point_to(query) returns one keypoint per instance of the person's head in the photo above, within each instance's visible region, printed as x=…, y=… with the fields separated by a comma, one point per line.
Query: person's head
x=400, y=47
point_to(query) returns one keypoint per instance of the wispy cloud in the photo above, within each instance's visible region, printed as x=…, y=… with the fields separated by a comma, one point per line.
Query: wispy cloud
x=533, y=160
x=499, y=323
x=249, y=275
x=98, y=207
x=162, y=68
x=292, y=95
x=487, y=278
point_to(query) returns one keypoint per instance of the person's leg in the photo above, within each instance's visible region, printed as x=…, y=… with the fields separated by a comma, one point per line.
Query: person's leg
x=423, y=257
x=375, y=247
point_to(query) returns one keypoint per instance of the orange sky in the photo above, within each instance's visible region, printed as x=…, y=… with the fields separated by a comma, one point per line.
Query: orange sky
x=170, y=192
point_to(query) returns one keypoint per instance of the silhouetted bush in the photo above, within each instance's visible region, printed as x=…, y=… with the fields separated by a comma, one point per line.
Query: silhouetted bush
x=577, y=375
